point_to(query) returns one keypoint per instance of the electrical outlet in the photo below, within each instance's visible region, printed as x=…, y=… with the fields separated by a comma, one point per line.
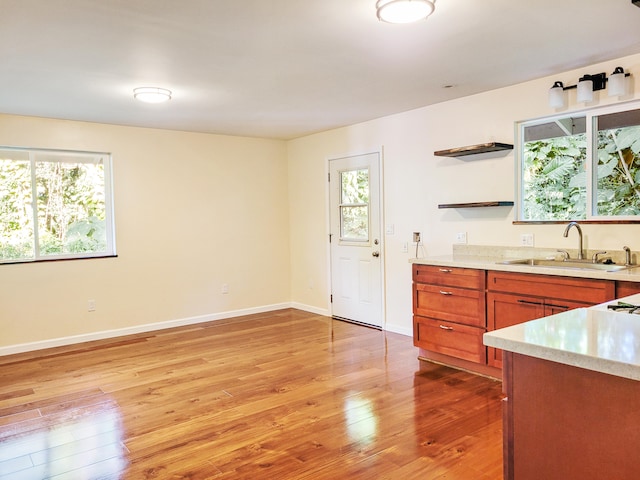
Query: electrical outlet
x=405, y=247
x=461, y=237
x=526, y=239
x=91, y=305
x=225, y=288
x=417, y=237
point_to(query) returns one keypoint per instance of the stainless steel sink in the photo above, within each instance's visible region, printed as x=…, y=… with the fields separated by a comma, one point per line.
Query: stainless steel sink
x=567, y=264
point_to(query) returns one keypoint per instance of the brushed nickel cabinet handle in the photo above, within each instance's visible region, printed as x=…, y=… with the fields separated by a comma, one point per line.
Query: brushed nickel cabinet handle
x=444, y=327
x=445, y=270
x=442, y=292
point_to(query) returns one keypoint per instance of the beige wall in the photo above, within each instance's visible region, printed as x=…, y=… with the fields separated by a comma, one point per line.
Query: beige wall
x=415, y=182
x=193, y=211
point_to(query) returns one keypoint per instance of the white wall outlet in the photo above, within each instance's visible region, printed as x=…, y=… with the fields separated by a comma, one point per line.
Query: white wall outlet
x=225, y=288
x=91, y=305
x=417, y=237
x=461, y=237
x=526, y=240
x=405, y=247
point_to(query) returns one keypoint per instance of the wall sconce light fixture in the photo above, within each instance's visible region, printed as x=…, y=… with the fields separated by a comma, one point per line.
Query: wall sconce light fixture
x=618, y=82
x=589, y=84
x=557, y=97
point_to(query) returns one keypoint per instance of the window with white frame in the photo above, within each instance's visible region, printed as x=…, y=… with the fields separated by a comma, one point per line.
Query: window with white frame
x=581, y=166
x=55, y=205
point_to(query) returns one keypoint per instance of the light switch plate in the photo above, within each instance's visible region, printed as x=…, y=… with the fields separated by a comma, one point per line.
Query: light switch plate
x=461, y=237
x=526, y=240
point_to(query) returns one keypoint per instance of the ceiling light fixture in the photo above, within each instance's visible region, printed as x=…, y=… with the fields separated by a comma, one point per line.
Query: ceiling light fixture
x=404, y=11
x=151, y=94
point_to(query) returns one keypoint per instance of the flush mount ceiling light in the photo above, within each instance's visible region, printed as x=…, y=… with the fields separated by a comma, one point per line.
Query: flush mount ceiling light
x=151, y=94
x=404, y=11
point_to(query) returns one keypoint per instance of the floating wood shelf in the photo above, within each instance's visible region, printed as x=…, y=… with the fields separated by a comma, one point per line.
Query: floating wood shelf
x=476, y=204
x=474, y=149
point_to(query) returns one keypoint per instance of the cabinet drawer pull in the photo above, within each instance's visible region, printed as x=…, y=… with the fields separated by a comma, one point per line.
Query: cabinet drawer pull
x=446, y=270
x=442, y=292
x=552, y=305
x=444, y=327
x=529, y=302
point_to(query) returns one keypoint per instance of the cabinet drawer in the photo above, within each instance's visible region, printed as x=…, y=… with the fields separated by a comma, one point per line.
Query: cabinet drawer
x=455, y=340
x=451, y=276
x=453, y=304
x=591, y=291
x=624, y=289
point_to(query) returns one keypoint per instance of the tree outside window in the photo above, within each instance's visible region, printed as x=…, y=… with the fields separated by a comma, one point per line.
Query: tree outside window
x=581, y=167
x=54, y=204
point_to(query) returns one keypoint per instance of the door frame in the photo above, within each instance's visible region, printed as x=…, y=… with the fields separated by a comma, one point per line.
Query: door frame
x=383, y=244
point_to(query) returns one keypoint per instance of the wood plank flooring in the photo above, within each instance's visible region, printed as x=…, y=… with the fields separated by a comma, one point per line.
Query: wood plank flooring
x=282, y=395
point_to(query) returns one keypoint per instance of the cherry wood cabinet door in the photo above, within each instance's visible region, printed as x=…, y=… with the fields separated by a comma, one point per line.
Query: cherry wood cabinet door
x=504, y=310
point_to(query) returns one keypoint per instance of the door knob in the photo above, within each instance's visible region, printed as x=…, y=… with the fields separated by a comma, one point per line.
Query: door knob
x=376, y=254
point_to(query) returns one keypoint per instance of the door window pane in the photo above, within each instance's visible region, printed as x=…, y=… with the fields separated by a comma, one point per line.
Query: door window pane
x=354, y=205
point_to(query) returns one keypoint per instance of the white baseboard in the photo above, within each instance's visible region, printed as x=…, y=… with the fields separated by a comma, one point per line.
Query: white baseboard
x=149, y=327
x=310, y=309
x=398, y=329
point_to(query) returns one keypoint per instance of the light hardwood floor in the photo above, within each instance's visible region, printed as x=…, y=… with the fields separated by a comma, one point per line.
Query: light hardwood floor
x=282, y=395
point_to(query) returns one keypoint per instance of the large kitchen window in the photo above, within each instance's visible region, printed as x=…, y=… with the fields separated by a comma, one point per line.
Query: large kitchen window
x=581, y=166
x=54, y=205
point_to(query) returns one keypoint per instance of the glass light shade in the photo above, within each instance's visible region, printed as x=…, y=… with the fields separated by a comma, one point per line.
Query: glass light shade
x=557, y=98
x=404, y=11
x=617, y=83
x=585, y=90
x=151, y=94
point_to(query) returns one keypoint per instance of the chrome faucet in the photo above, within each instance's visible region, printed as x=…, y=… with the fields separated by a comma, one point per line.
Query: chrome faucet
x=627, y=255
x=566, y=234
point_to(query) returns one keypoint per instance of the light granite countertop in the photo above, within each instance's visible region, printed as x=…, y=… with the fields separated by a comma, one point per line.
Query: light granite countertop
x=490, y=258
x=594, y=338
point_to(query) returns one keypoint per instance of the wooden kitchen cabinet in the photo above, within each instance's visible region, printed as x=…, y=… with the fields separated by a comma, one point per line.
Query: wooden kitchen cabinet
x=514, y=298
x=449, y=311
x=568, y=423
x=624, y=289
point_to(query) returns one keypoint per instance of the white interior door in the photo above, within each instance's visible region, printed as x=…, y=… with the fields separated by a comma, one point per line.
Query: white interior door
x=356, y=243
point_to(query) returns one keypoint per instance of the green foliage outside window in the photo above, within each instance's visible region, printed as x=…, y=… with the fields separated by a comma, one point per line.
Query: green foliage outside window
x=619, y=171
x=551, y=167
x=355, y=205
x=71, y=207
x=555, y=168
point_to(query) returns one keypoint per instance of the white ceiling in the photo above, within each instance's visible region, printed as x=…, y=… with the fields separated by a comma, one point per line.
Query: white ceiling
x=286, y=68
